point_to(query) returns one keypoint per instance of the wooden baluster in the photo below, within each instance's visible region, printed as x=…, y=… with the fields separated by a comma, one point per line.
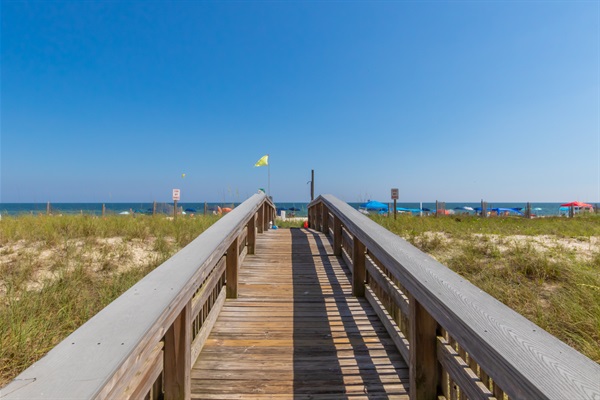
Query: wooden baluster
x=252, y=235
x=260, y=223
x=423, y=359
x=358, y=268
x=266, y=217
x=498, y=392
x=231, y=269
x=337, y=236
x=325, y=220
x=463, y=355
x=178, y=356
x=318, y=214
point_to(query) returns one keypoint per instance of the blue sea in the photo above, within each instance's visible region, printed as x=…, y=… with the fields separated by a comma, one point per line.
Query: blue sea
x=299, y=209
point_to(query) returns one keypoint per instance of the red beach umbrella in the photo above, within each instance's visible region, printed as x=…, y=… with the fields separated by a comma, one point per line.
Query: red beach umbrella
x=577, y=204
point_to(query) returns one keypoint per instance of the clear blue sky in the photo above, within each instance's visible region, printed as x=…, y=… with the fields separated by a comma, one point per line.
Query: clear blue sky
x=106, y=101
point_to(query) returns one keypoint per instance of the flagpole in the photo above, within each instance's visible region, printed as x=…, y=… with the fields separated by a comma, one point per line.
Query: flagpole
x=269, y=178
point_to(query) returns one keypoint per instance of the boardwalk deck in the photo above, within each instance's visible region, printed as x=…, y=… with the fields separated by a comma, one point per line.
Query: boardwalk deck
x=296, y=331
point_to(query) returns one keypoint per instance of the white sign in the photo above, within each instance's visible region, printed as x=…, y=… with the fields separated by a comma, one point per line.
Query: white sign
x=176, y=194
x=394, y=194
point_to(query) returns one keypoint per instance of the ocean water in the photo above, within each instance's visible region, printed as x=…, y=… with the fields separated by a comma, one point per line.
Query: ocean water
x=301, y=210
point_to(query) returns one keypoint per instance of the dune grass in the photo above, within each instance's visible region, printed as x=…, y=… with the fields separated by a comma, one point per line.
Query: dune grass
x=546, y=269
x=553, y=285
x=59, y=271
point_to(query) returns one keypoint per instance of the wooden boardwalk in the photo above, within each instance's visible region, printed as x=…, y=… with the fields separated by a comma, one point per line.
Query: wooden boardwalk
x=297, y=332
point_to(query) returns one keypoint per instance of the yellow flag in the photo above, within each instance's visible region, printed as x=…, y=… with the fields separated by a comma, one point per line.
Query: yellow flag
x=264, y=160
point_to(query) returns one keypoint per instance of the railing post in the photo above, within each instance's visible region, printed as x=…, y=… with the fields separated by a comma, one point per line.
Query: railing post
x=423, y=373
x=251, y=235
x=337, y=236
x=260, y=224
x=231, y=269
x=319, y=226
x=178, y=356
x=358, y=268
x=325, y=220
x=266, y=217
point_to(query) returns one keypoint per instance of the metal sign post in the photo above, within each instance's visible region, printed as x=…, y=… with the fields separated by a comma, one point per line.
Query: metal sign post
x=395, y=198
x=176, y=198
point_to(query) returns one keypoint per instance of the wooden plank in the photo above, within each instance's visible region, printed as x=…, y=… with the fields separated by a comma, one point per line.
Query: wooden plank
x=202, y=295
x=177, y=356
x=423, y=359
x=347, y=260
x=260, y=224
x=242, y=240
x=252, y=234
x=296, y=330
x=397, y=336
x=346, y=239
x=358, y=268
x=207, y=326
x=136, y=372
x=391, y=289
x=231, y=269
x=522, y=358
x=459, y=371
x=143, y=385
x=337, y=236
x=266, y=218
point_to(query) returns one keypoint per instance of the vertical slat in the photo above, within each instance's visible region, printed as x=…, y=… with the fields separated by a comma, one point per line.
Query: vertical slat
x=157, y=388
x=337, y=236
x=260, y=224
x=358, y=272
x=498, y=392
x=325, y=220
x=266, y=218
x=231, y=269
x=463, y=355
x=484, y=378
x=423, y=359
x=177, y=356
x=252, y=235
x=318, y=215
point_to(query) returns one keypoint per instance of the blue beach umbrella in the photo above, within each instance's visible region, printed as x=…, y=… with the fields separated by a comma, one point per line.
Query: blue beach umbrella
x=373, y=205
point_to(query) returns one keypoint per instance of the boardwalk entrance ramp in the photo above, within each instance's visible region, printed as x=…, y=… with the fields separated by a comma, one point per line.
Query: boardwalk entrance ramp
x=296, y=331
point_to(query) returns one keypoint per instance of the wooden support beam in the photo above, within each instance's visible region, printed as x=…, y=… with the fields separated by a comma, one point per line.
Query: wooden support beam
x=231, y=269
x=423, y=357
x=252, y=235
x=177, y=361
x=358, y=268
x=337, y=236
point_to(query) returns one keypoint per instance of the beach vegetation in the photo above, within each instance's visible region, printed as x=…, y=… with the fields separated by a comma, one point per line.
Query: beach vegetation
x=546, y=269
x=56, y=272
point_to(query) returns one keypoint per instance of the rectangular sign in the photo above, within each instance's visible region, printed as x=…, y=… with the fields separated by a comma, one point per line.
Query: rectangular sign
x=176, y=194
x=394, y=194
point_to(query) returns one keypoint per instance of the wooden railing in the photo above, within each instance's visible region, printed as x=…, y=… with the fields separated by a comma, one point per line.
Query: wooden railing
x=459, y=342
x=144, y=343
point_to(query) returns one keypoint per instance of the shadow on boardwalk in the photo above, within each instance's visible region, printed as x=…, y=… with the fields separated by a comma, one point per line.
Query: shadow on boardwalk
x=296, y=331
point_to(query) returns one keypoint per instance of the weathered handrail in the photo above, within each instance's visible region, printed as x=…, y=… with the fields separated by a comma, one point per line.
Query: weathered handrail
x=143, y=344
x=457, y=340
